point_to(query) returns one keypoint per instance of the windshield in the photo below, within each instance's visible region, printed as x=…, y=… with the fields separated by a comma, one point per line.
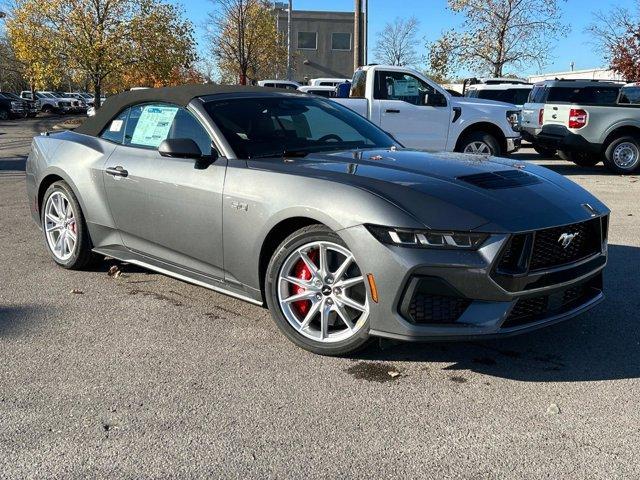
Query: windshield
x=274, y=126
x=516, y=96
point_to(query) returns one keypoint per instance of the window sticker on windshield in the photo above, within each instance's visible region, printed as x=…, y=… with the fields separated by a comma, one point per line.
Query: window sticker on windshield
x=116, y=126
x=405, y=88
x=154, y=125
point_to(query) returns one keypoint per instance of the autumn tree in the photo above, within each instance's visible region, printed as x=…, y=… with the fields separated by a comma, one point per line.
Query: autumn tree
x=397, y=43
x=119, y=42
x=497, y=34
x=244, y=40
x=617, y=36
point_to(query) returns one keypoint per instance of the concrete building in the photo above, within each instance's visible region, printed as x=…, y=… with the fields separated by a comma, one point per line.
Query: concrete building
x=587, y=74
x=321, y=43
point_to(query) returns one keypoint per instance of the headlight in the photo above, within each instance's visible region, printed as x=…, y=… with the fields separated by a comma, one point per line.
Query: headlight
x=513, y=117
x=16, y=104
x=428, y=238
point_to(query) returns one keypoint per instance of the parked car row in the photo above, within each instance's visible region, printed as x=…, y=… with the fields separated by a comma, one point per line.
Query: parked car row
x=29, y=104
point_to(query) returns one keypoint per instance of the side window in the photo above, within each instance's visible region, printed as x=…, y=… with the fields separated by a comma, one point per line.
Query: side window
x=630, y=95
x=185, y=125
x=149, y=125
x=114, y=132
x=402, y=86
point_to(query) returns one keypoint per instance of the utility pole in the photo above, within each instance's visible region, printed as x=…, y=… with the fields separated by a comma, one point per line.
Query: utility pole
x=289, y=40
x=357, y=35
x=365, y=28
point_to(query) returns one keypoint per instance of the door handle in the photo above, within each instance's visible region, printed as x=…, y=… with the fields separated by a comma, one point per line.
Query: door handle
x=118, y=171
x=392, y=110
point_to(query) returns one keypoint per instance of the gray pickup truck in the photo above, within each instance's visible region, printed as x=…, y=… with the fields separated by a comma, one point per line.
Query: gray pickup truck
x=598, y=122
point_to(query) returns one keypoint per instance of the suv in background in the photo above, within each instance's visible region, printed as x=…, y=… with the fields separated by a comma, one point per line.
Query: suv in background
x=551, y=97
x=507, y=90
x=48, y=103
x=285, y=84
x=11, y=105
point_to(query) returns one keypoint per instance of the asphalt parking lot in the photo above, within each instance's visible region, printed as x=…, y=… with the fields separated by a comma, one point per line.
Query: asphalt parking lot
x=140, y=375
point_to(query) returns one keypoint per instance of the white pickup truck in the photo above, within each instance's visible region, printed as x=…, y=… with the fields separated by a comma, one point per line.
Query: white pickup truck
x=421, y=114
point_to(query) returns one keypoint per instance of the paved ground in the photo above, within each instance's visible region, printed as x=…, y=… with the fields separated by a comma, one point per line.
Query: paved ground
x=145, y=376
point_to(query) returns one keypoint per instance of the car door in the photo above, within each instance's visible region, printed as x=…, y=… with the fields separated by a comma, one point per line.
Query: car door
x=411, y=110
x=169, y=209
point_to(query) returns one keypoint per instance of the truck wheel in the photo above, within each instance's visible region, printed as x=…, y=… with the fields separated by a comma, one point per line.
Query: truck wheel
x=544, y=151
x=47, y=108
x=479, y=143
x=582, y=159
x=4, y=114
x=623, y=155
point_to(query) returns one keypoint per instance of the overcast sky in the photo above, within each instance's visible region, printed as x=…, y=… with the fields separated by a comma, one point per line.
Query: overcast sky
x=434, y=18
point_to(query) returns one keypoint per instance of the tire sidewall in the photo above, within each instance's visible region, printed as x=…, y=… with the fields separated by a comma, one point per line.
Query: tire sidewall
x=483, y=137
x=608, y=156
x=284, y=250
x=83, y=245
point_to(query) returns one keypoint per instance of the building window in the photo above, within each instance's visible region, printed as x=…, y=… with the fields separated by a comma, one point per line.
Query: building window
x=340, y=41
x=307, y=40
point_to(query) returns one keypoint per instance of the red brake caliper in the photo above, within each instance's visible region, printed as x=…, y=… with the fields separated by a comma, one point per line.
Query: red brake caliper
x=302, y=271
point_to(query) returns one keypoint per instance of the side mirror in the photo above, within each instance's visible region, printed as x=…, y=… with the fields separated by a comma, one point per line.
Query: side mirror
x=435, y=99
x=180, y=148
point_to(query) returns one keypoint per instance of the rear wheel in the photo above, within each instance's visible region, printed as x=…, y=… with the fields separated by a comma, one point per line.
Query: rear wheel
x=64, y=227
x=479, y=143
x=582, y=159
x=317, y=294
x=623, y=155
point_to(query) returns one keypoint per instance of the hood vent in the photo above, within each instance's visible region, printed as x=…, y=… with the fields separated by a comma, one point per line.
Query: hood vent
x=503, y=179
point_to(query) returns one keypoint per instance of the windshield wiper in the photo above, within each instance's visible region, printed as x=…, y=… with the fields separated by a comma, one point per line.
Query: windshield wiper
x=283, y=154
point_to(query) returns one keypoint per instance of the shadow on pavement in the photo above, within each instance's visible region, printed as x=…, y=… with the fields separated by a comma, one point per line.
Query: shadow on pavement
x=603, y=344
x=16, y=320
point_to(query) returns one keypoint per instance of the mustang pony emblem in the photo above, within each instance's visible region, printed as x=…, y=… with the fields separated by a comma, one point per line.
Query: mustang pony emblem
x=566, y=239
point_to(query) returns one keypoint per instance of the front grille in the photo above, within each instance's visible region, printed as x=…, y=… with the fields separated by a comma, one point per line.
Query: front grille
x=548, y=250
x=428, y=308
x=531, y=309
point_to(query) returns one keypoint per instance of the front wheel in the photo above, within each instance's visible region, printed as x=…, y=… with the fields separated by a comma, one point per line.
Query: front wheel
x=316, y=292
x=4, y=114
x=65, y=230
x=479, y=143
x=622, y=156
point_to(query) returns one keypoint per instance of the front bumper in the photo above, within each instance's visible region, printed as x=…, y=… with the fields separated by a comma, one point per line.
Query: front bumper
x=513, y=144
x=465, y=300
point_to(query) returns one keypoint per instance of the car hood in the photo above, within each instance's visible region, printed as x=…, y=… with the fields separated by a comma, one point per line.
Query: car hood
x=446, y=191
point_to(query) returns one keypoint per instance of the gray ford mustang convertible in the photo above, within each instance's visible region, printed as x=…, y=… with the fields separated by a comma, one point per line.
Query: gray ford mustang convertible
x=299, y=203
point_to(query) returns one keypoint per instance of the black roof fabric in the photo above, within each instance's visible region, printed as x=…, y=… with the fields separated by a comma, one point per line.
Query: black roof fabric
x=181, y=96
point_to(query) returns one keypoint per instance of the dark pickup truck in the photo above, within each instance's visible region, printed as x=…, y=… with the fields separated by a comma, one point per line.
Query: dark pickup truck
x=12, y=106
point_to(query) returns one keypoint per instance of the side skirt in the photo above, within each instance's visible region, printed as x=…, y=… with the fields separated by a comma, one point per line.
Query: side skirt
x=126, y=255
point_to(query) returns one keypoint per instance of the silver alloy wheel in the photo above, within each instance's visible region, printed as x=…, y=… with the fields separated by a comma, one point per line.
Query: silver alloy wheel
x=626, y=155
x=60, y=226
x=335, y=292
x=478, y=148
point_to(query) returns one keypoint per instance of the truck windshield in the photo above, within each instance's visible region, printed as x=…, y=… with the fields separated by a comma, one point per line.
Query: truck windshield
x=258, y=127
x=516, y=96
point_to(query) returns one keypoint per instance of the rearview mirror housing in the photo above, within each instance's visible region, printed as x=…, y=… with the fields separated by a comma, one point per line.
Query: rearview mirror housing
x=435, y=99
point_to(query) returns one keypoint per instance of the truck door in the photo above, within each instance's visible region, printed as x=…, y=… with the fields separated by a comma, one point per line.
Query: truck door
x=411, y=110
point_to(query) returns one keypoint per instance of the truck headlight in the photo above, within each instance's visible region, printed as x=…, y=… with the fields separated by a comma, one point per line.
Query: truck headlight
x=427, y=238
x=16, y=104
x=513, y=117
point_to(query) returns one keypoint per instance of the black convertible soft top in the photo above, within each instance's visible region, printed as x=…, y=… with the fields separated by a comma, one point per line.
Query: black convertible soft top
x=180, y=96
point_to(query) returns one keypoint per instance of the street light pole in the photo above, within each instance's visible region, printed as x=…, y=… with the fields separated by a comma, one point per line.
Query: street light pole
x=289, y=40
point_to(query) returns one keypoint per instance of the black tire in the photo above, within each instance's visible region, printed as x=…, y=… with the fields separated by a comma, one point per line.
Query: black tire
x=582, y=159
x=4, y=114
x=614, y=164
x=82, y=257
x=301, y=237
x=489, y=140
x=544, y=151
